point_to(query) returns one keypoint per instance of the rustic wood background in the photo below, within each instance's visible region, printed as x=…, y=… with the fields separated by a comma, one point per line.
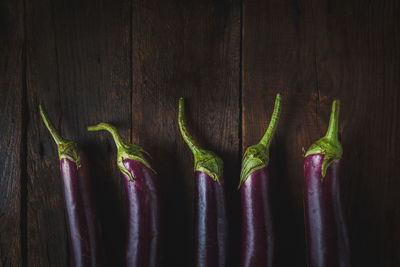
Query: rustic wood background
x=127, y=62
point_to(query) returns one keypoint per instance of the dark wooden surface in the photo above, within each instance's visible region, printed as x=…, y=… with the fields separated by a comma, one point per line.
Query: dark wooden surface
x=127, y=62
x=12, y=143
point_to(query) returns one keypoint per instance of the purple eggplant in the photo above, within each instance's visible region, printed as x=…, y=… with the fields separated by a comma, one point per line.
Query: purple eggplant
x=258, y=235
x=210, y=205
x=326, y=233
x=143, y=201
x=84, y=232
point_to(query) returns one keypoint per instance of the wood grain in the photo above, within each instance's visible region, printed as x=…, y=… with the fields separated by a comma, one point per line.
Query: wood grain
x=188, y=49
x=358, y=59
x=127, y=62
x=278, y=58
x=79, y=67
x=11, y=131
x=47, y=240
x=313, y=52
x=95, y=86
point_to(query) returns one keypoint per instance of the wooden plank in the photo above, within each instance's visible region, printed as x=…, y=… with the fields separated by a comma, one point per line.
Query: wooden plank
x=357, y=56
x=79, y=65
x=278, y=57
x=94, y=51
x=314, y=51
x=47, y=241
x=11, y=131
x=188, y=49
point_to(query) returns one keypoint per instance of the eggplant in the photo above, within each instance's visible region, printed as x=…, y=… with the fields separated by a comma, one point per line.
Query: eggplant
x=258, y=234
x=326, y=233
x=211, y=227
x=84, y=233
x=143, y=224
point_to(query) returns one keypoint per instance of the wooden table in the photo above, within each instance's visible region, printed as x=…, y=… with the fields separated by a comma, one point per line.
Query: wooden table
x=127, y=62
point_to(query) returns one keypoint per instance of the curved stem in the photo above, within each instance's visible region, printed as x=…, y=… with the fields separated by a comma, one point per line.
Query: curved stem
x=182, y=127
x=333, y=128
x=124, y=151
x=204, y=160
x=257, y=156
x=53, y=131
x=266, y=139
x=112, y=130
x=66, y=148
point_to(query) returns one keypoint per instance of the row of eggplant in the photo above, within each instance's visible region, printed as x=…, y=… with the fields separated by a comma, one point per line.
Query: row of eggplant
x=326, y=235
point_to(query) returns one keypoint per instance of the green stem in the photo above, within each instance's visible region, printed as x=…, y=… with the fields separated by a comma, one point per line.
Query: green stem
x=257, y=156
x=112, y=130
x=182, y=127
x=269, y=134
x=204, y=160
x=329, y=145
x=125, y=151
x=66, y=149
x=333, y=128
x=53, y=131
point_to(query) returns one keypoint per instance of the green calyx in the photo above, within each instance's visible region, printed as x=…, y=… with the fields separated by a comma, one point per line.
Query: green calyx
x=204, y=160
x=257, y=156
x=125, y=151
x=66, y=148
x=329, y=145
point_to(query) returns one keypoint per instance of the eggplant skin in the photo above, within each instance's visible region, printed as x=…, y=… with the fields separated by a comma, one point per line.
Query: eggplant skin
x=258, y=235
x=143, y=215
x=211, y=229
x=83, y=228
x=326, y=233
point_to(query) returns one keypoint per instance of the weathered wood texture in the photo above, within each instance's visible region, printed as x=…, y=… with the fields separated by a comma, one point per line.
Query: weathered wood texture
x=79, y=67
x=11, y=132
x=312, y=52
x=127, y=62
x=47, y=243
x=198, y=59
